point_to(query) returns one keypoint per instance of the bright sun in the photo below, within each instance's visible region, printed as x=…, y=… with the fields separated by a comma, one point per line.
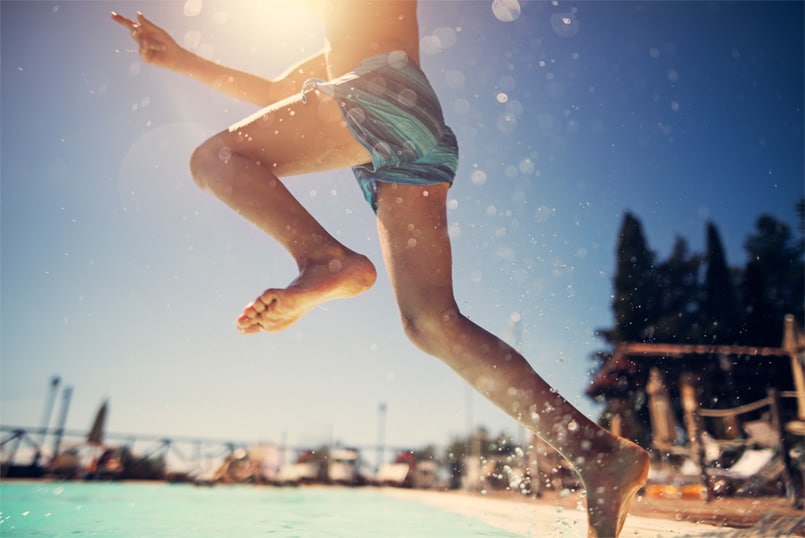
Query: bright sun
x=277, y=33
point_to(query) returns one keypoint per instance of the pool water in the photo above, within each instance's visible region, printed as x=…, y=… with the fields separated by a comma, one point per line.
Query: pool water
x=125, y=510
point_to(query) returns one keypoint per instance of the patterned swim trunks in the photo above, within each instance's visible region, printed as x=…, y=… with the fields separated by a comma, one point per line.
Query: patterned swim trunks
x=391, y=109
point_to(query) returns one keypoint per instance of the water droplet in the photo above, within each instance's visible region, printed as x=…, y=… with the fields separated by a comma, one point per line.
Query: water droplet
x=461, y=106
x=356, y=115
x=564, y=24
x=407, y=97
x=507, y=122
x=455, y=79
x=430, y=44
x=192, y=39
x=193, y=7
x=446, y=36
x=506, y=10
x=398, y=59
x=478, y=177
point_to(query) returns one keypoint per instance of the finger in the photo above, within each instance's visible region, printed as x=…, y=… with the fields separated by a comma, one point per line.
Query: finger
x=123, y=21
x=142, y=20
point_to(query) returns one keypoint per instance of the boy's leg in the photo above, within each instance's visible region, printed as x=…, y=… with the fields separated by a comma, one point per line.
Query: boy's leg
x=412, y=226
x=242, y=167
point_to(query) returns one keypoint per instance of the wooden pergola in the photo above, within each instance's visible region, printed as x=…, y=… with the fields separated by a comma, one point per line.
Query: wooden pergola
x=706, y=381
x=783, y=366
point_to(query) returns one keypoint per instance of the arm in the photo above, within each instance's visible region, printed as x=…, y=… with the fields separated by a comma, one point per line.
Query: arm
x=158, y=48
x=248, y=87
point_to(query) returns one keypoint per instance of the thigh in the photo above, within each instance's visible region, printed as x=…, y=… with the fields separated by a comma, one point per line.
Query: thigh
x=412, y=225
x=293, y=137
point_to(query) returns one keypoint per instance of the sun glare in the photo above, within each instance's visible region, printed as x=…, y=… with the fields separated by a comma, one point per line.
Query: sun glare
x=281, y=32
x=278, y=21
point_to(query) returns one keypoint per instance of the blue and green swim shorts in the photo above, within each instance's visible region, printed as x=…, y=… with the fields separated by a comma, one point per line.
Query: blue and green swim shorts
x=391, y=109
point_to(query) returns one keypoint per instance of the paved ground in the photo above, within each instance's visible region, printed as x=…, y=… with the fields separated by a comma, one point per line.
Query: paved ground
x=563, y=516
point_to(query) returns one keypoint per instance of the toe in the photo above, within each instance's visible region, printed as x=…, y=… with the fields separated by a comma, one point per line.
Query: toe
x=250, y=329
x=267, y=298
x=248, y=324
x=247, y=319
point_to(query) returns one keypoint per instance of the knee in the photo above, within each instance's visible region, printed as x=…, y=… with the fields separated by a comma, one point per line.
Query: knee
x=210, y=165
x=431, y=330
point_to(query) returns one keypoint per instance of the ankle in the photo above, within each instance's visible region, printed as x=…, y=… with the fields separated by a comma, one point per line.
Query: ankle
x=323, y=255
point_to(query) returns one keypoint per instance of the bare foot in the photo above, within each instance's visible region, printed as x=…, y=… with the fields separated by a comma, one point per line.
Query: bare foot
x=611, y=484
x=336, y=278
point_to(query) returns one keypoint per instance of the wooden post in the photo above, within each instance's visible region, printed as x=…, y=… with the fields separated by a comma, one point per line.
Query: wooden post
x=690, y=405
x=793, y=347
x=661, y=412
x=792, y=492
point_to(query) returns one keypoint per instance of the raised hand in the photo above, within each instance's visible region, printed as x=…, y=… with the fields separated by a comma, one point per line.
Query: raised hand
x=156, y=46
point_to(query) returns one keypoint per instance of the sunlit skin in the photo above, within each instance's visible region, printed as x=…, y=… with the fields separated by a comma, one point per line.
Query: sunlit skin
x=243, y=165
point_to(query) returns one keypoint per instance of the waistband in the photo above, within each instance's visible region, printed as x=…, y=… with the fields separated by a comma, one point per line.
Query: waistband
x=395, y=59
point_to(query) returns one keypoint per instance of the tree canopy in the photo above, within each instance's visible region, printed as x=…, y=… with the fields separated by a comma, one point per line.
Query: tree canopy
x=695, y=298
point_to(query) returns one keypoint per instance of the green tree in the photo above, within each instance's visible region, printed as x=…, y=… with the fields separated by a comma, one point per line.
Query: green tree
x=635, y=295
x=673, y=302
x=678, y=296
x=720, y=312
x=773, y=281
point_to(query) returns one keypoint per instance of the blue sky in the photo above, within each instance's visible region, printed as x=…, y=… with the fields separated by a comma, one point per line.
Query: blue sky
x=124, y=279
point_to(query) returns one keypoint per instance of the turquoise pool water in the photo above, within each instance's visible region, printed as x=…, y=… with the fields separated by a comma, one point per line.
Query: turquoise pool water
x=122, y=510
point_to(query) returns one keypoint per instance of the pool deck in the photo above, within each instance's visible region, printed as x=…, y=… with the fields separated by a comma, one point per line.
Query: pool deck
x=552, y=516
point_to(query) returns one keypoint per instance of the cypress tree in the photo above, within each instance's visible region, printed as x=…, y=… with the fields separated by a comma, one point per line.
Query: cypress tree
x=635, y=291
x=679, y=305
x=720, y=305
x=773, y=281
